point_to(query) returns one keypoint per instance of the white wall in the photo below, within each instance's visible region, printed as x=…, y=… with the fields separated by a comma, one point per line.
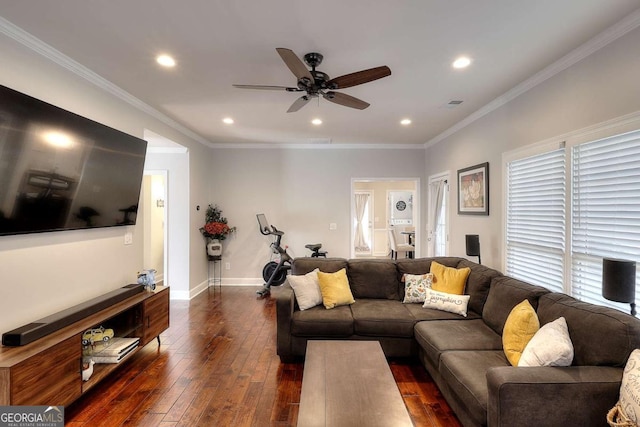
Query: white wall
x=301, y=191
x=601, y=87
x=41, y=274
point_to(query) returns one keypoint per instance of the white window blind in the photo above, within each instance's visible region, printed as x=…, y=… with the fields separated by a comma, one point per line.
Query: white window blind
x=535, y=235
x=605, y=211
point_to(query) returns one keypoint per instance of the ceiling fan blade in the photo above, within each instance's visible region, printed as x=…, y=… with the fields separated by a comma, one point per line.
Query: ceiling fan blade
x=295, y=64
x=299, y=103
x=359, y=77
x=265, y=87
x=346, y=100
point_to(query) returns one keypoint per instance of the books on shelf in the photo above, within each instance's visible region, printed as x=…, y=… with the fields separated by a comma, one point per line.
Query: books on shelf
x=115, y=350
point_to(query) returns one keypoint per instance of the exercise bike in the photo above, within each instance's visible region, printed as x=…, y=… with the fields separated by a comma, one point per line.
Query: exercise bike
x=275, y=273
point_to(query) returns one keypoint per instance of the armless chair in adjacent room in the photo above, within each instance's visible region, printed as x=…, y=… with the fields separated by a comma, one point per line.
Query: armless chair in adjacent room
x=399, y=247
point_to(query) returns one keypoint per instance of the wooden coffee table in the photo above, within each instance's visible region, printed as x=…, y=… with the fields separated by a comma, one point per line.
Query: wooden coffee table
x=349, y=383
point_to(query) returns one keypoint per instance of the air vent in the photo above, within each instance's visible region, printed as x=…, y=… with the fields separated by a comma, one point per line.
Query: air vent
x=454, y=103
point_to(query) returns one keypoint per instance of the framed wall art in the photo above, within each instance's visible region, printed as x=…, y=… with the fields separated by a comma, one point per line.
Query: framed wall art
x=473, y=190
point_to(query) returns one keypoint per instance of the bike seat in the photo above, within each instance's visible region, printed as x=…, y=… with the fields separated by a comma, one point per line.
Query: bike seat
x=314, y=247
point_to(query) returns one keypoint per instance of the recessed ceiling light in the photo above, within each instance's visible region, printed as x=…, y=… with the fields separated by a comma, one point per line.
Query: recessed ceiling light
x=166, y=61
x=228, y=120
x=316, y=122
x=461, y=62
x=405, y=122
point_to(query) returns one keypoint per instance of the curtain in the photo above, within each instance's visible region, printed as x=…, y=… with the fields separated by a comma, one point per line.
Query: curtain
x=361, y=202
x=437, y=197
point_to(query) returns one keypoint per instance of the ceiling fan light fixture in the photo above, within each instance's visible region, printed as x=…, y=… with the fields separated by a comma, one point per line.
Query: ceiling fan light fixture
x=461, y=62
x=166, y=60
x=227, y=121
x=316, y=122
x=405, y=122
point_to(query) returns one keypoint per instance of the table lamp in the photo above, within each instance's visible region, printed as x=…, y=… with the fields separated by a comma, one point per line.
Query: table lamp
x=619, y=281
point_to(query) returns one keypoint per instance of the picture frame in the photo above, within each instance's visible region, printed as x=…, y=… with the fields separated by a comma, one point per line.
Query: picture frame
x=473, y=190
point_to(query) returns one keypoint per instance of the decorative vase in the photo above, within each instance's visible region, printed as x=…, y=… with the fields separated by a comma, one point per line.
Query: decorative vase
x=214, y=248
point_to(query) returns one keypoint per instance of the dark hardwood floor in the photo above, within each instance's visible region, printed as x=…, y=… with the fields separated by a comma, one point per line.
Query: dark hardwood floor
x=217, y=366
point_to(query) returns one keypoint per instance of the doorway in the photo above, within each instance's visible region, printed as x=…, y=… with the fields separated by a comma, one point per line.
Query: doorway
x=154, y=202
x=380, y=213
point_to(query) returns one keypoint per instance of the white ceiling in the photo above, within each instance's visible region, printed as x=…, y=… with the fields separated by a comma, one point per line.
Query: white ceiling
x=221, y=42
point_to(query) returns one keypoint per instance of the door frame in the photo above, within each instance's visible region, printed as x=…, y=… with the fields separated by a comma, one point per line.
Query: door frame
x=417, y=216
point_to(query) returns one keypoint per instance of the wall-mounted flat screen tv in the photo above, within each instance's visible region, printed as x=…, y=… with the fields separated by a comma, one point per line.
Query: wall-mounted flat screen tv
x=61, y=171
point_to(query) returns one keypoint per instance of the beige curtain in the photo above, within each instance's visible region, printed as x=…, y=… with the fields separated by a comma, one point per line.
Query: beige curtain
x=437, y=196
x=361, y=201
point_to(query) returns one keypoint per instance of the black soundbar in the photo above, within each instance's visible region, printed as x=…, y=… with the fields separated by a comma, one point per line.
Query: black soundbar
x=40, y=328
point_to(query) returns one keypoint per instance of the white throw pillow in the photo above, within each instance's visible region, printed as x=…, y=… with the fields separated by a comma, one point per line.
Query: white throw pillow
x=630, y=388
x=550, y=346
x=306, y=289
x=415, y=287
x=446, y=302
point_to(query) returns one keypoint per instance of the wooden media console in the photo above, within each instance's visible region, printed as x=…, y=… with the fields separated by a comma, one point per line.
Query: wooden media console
x=48, y=371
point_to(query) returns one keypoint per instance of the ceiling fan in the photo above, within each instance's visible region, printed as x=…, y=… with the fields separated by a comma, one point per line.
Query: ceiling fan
x=316, y=83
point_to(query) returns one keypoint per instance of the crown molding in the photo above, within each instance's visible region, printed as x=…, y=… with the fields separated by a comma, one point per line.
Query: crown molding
x=293, y=146
x=627, y=24
x=21, y=36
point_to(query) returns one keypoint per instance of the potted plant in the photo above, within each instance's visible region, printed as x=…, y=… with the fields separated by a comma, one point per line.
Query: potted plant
x=215, y=230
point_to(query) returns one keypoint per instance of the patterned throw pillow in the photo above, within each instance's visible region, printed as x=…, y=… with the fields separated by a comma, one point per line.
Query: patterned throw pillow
x=415, y=287
x=443, y=301
x=629, y=403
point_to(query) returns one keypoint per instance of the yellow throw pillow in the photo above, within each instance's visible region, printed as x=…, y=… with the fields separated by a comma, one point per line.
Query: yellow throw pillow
x=521, y=325
x=335, y=289
x=448, y=279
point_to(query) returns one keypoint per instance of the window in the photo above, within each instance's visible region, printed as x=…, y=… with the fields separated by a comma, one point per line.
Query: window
x=560, y=225
x=535, y=235
x=605, y=217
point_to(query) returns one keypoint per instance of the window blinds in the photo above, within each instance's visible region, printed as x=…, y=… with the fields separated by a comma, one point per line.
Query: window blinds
x=535, y=235
x=605, y=211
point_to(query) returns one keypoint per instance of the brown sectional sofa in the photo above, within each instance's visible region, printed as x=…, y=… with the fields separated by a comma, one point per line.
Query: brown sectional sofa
x=464, y=354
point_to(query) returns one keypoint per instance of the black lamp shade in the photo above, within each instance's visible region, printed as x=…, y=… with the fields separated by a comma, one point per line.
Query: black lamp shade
x=473, y=244
x=619, y=280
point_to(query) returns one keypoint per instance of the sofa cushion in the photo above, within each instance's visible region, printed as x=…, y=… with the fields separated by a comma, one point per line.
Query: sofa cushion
x=550, y=346
x=452, y=303
x=306, y=289
x=451, y=280
x=320, y=322
x=504, y=294
x=435, y=338
x=305, y=265
x=421, y=266
x=420, y=313
x=464, y=373
x=591, y=329
x=415, y=287
x=521, y=325
x=335, y=289
x=478, y=283
x=381, y=317
x=373, y=278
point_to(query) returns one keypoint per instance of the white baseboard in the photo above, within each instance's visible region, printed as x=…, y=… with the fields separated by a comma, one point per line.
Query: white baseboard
x=203, y=286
